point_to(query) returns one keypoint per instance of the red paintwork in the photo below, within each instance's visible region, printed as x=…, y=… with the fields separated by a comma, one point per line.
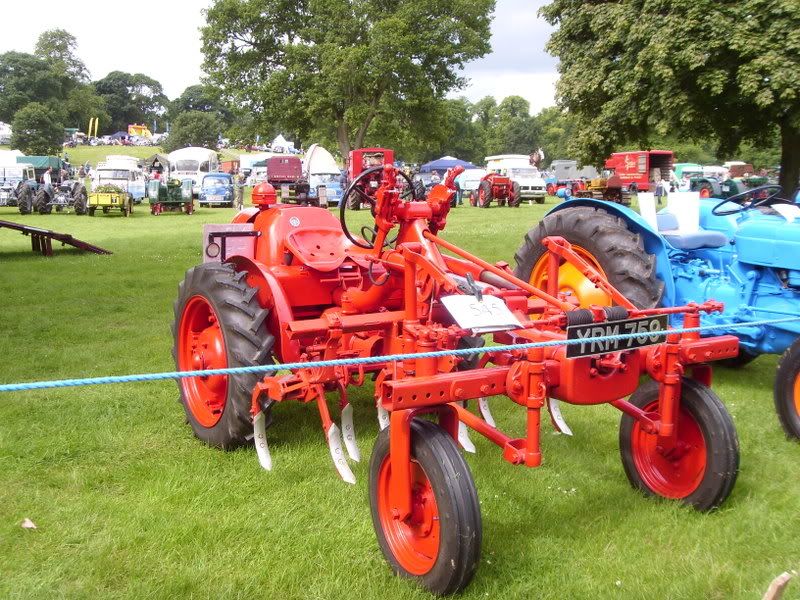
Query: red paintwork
x=364, y=158
x=284, y=169
x=202, y=346
x=414, y=541
x=634, y=167
x=501, y=188
x=324, y=306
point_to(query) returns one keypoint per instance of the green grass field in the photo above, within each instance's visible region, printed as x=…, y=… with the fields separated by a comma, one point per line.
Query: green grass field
x=129, y=504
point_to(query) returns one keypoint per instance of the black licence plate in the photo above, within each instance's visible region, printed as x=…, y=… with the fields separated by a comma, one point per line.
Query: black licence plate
x=648, y=327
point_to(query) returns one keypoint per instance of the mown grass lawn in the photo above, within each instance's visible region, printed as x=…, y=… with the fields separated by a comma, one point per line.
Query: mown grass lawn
x=129, y=505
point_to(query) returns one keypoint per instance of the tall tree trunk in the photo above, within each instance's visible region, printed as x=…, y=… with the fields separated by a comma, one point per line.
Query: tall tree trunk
x=343, y=137
x=790, y=156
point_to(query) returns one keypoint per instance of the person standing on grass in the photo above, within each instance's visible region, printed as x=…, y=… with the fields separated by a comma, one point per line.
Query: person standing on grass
x=47, y=178
x=238, y=190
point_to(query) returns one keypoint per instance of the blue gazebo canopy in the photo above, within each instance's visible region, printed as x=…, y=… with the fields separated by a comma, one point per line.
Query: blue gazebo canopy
x=444, y=163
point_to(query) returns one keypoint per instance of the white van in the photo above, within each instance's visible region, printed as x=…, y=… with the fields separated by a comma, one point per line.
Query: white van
x=123, y=172
x=192, y=163
x=519, y=169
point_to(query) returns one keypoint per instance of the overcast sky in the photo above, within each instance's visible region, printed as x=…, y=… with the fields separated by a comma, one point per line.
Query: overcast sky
x=108, y=41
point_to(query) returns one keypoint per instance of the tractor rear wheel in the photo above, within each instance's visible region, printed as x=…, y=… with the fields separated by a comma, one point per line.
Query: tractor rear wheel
x=787, y=391
x=439, y=544
x=515, y=197
x=602, y=240
x=219, y=324
x=353, y=200
x=25, y=199
x=702, y=467
x=484, y=194
x=81, y=200
x=41, y=203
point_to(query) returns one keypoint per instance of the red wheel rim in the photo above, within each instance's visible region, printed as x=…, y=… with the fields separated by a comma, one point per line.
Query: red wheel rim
x=679, y=472
x=796, y=391
x=705, y=193
x=201, y=345
x=414, y=542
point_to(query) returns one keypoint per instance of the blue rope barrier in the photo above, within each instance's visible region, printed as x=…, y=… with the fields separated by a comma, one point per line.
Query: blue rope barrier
x=367, y=360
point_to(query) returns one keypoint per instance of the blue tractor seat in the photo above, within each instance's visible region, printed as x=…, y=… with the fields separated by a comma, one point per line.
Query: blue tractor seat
x=668, y=227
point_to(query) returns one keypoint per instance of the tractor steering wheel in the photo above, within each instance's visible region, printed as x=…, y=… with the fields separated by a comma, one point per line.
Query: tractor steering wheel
x=741, y=200
x=354, y=188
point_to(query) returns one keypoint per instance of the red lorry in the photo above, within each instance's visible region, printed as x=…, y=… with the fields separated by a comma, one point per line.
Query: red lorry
x=639, y=168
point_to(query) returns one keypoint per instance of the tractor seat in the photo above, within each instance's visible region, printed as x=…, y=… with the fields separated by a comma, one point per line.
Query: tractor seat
x=320, y=248
x=688, y=240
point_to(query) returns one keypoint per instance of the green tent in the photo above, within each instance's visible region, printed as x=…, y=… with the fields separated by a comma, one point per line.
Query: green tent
x=41, y=163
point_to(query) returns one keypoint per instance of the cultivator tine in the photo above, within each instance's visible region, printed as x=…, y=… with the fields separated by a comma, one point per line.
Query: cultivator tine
x=349, y=431
x=260, y=439
x=463, y=435
x=483, y=407
x=383, y=417
x=556, y=417
x=334, y=437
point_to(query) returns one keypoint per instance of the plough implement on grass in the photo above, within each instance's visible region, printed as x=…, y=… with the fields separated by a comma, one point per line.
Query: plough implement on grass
x=290, y=284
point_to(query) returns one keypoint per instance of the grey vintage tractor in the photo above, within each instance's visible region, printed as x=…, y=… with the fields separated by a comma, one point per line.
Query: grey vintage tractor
x=67, y=195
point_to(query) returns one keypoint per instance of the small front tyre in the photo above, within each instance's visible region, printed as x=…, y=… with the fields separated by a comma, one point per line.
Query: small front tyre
x=702, y=467
x=787, y=391
x=439, y=544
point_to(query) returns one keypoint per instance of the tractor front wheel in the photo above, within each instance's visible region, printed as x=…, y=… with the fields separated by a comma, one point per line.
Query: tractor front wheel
x=219, y=324
x=439, y=544
x=701, y=466
x=787, y=391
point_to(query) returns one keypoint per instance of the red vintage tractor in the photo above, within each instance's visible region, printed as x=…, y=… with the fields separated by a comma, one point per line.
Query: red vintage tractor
x=359, y=161
x=494, y=186
x=291, y=284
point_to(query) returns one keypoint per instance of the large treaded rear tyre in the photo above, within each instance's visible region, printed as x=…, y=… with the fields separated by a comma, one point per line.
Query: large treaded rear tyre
x=81, y=200
x=444, y=498
x=25, y=199
x=484, y=194
x=219, y=324
x=619, y=252
x=515, y=197
x=703, y=472
x=787, y=391
x=41, y=202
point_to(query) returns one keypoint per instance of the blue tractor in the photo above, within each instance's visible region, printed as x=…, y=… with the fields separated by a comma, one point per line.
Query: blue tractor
x=746, y=253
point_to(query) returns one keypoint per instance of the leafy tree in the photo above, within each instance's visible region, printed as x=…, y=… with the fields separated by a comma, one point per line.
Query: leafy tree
x=81, y=104
x=35, y=131
x=338, y=65
x=485, y=111
x=131, y=98
x=513, y=130
x=25, y=78
x=727, y=70
x=555, y=129
x=58, y=47
x=193, y=128
x=201, y=98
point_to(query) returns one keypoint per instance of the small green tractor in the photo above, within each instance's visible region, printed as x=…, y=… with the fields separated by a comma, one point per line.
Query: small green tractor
x=172, y=195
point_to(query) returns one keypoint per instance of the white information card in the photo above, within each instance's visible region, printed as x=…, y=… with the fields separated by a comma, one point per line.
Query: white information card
x=481, y=316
